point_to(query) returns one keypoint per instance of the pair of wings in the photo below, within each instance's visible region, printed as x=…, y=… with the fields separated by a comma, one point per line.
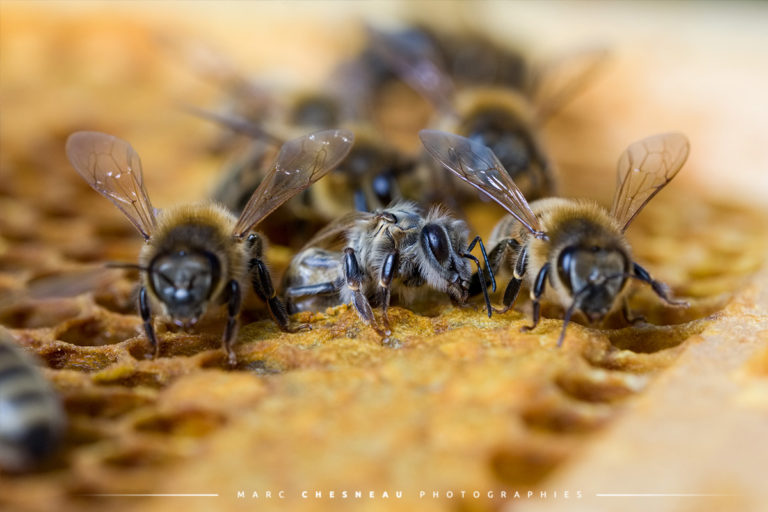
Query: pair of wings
x=645, y=167
x=112, y=168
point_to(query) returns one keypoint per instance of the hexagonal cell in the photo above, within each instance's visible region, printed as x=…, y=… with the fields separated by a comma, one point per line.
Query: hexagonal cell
x=107, y=402
x=94, y=331
x=647, y=339
x=526, y=464
x=189, y=423
x=600, y=385
x=562, y=417
x=64, y=356
x=32, y=315
x=137, y=457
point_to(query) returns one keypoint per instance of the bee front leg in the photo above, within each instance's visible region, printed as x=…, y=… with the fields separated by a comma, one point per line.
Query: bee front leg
x=388, y=271
x=658, y=287
x=263, y=288
x=513, y=288
x=536, y=293
x=149, y=329
x=354, y=279
x=234, y=298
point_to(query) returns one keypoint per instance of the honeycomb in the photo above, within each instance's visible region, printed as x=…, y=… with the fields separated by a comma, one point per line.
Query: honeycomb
x=460, y=403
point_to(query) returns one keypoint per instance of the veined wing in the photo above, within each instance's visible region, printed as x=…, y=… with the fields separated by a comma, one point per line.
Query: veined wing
x=645, y=167
x=477, y=165
x=412, y=56
x=300, y=163
x=334, y=234
x=112, y=168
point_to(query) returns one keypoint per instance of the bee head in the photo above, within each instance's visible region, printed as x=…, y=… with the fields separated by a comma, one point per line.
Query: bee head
x=444, y=267
x=594, y=275
x=184, y=281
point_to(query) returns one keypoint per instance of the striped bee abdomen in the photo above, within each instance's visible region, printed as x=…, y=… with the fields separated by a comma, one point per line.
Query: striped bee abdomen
x=31, y=416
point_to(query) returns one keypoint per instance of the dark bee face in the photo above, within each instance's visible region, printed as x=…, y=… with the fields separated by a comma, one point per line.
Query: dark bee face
x=370, y=173
x=445, y=269
x=184, y=281
x=594, y=276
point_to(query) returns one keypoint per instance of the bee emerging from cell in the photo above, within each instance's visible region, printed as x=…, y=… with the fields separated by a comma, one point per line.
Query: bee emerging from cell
x=200, y=254
x=575, y=246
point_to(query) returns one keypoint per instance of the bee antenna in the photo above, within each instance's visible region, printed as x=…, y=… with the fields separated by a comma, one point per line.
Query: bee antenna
x=120, y=264
x=571, y=309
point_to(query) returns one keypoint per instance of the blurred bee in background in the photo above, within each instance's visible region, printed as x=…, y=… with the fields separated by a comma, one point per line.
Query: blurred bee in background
x=374, y=174
x=369, y=178
x=199, y=254
x=487, y=93
x=396, y=248
x=576, y=246
x=32, y=419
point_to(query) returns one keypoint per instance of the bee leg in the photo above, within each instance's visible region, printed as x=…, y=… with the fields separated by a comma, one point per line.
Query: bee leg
x=388, y=271
x=262, y=287
x=536, y=293
x=630, y=317
x=480, y=273
x=492, y=263
x=658, y=287
x=513, y=288
x=354, y=279
x=234, y=298
x=326, y=288
x=149, y=329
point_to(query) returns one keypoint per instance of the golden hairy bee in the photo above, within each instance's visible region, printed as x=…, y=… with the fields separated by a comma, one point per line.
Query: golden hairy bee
x=488, y=94
x=575, y=246
x=32, y=418
x=200, y=254
x=362, y=257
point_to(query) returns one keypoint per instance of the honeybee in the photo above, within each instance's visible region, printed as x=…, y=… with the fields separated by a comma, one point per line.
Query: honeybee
x=398, y=247
x=368, y=179
x=198, y=254
x=490, y=95
x=576, y=246
x=32, y=420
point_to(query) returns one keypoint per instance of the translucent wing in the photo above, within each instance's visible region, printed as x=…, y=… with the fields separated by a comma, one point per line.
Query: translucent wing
x=300, y=163
x=412, y=56
x=645, y=167
x=334, y=235
x=477, y=165
x=559, y=82
x=113, y=169
x=236, y=124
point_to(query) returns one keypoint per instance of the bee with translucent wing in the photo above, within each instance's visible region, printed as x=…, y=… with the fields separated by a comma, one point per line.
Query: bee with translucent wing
x=198, y=254
x=32, y=419
x=368, y=179
x=576, y=246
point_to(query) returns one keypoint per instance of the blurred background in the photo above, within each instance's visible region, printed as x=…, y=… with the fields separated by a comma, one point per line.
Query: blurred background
x=673, y=66
x=127, y=68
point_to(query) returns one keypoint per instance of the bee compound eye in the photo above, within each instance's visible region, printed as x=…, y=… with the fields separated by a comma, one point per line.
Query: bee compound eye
x=565, y=264
x=436, y=242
